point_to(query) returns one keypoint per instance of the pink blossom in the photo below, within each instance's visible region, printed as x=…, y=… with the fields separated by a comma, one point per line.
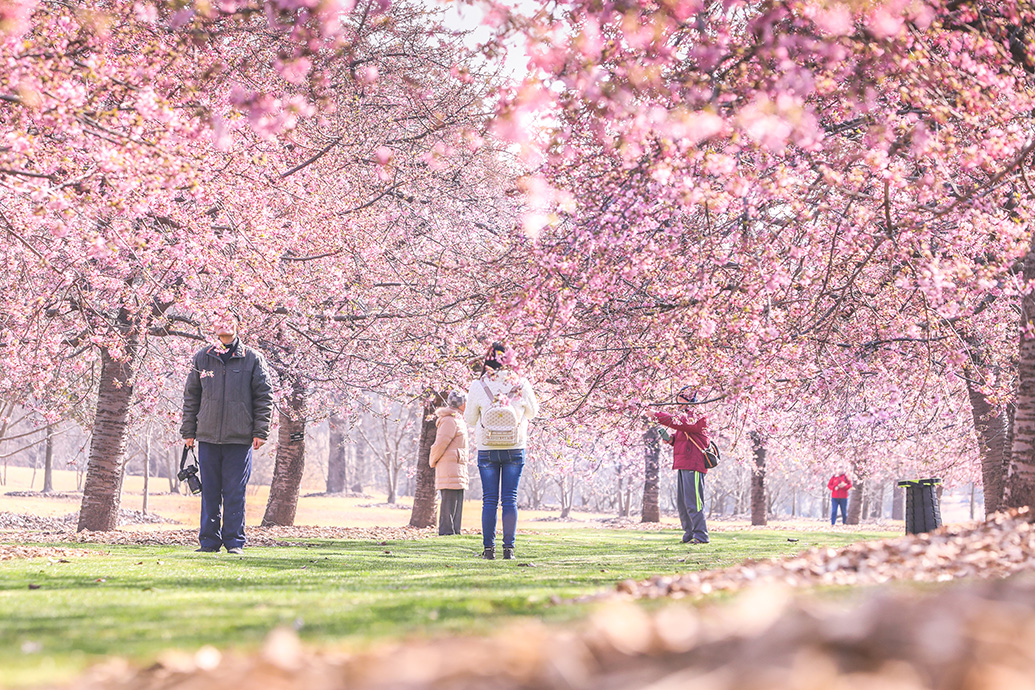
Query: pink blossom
x=884, y=24
x=294, y=71
x=367, y=74
x=180, y=18
x=834, y=20
x=145, y=12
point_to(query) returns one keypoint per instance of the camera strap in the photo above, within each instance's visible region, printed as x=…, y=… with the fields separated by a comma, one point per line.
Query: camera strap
x=183, y=458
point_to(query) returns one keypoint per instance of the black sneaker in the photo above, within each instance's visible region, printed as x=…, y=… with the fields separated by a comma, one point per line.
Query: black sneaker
x=207, y=549
x=489, y=553
x=508, y=554
x=236, y=550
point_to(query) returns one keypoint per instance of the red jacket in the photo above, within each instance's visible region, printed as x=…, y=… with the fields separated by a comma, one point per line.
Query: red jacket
x=837, y=479
x=686, y=455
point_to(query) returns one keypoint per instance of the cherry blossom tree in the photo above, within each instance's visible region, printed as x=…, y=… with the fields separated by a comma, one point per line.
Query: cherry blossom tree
x=317, y=166
x=779, y=196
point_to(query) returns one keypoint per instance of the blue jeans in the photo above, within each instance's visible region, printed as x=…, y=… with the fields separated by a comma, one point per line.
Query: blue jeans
x=834, y=504
x=500, y=471
x=225, y=469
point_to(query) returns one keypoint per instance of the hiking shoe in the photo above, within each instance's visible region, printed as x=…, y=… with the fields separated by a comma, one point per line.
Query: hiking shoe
x=489, y=553
x=236, y=550
x=207, y=549
x=697, y=541
x=508, y=554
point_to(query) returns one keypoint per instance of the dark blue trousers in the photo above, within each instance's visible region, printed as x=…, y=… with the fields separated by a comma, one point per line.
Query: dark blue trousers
x=842, y=504
x=225, y=469
x=500, y=471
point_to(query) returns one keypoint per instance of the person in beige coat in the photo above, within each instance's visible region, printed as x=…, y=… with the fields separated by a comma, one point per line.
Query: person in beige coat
x=449, y=458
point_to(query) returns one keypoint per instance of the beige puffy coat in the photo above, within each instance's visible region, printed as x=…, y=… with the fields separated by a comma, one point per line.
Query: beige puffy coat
x=449, y=452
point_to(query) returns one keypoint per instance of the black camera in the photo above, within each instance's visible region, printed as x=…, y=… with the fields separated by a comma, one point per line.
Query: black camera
x=189, y=474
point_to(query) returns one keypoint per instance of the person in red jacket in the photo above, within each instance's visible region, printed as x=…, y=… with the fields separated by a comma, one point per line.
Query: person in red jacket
x=688, y=443
x=839, y=485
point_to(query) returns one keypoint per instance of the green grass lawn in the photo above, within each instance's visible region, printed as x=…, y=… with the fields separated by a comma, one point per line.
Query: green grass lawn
x=139, y=600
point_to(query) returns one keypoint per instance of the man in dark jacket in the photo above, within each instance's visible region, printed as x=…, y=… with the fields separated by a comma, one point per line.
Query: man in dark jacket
x=688, y=444
x=227, y=404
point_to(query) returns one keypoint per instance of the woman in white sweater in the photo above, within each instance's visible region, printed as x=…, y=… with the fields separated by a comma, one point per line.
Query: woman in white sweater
x=499, y=406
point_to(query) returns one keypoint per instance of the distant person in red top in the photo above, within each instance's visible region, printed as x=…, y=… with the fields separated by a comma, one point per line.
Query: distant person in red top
x=688, y=442
x=839, y=485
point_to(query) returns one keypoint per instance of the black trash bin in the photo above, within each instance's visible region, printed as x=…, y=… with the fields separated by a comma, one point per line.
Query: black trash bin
x=923, y=513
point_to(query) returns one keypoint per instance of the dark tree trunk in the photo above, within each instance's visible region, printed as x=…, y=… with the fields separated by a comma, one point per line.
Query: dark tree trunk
x=48, y=462
x=424, y=495
x=990, y=426
x=102, y=491
x=1019, y=484
x=758, y=502
x=337, y=457
x=855, y=502
x=290, y=462
x=651, y=454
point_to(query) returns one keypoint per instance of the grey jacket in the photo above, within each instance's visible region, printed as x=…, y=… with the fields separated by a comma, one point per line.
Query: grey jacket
x=227, y=404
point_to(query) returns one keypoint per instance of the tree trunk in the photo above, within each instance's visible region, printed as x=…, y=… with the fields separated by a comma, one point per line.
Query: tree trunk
x=337, y=457
x=147, y=469
x=566, y=499
x=758, y=502
x=898, y=503
x=48, y=463
x=393, y=482
x=991, y=430
x=1020, y=478
x=359, y=465
x=290, y=462
x=172, y=467
x=877, y=502
x=855, y=501
x=651, y=453
x=424, y=495
x=102, y=491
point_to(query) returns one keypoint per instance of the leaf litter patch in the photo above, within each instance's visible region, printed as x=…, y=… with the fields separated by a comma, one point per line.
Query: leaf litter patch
x=257, y=536
x=1001, y=546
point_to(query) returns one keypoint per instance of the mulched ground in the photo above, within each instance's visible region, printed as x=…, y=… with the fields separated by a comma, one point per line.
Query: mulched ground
x=11, y=551
x=997, y=548
x=18, y=521
x=257, y=536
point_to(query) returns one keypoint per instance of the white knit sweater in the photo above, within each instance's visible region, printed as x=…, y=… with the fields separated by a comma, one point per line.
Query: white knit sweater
x=527, y=407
